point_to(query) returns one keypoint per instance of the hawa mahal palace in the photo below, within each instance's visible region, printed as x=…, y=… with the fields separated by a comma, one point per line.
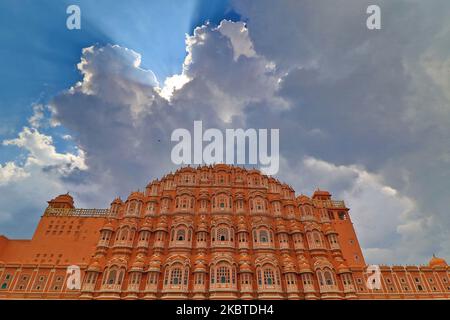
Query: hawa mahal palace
x=211, y=232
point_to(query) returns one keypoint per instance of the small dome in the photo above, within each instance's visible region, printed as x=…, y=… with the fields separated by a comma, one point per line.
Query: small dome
x=108, y=226
x=138, y=262
x=241, y=225
x=135, y=196
x=281, y=227
x=155, y=263
x=162, y=224
x=146, y=226
x=202, y=226
x=437, y=262
x=305, y=268
x=319, y=192
x=244, y=257
x=199, y=266
x=94, y=265
x=294, y=227
x=245, y=267
x=342, y=268
x=329, y=230
x=304, y=199
x=62, y=199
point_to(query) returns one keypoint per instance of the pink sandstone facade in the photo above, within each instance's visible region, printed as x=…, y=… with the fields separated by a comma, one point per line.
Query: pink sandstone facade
x=212, y=232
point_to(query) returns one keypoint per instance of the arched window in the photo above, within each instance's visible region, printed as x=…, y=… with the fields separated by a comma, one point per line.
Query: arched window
x=268, y=277
x=317, y=239
x=135, y=278
x=131, y=208
x=306, y=210
x=175, y=276
x=276, y=206
x=223, y=274
x=124, y=234
x=181, y=234
x=320, y=277
x=112, y=276
x=120, y=278
x=325, y=277
x=328, y=276
x=222, y=234
x=134, y=208
x=91, y=277
x=105, y=235
x=151, y=207
x=263, y=236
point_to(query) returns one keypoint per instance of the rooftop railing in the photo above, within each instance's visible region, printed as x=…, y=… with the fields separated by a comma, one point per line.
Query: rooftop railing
x=331, y=203
x=77, y=212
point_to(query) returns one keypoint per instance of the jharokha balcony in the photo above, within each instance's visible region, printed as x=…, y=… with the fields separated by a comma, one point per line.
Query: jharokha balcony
x=184, y=244
x=222, y=244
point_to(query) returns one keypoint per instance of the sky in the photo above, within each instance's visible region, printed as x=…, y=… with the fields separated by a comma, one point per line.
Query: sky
x=362, y=113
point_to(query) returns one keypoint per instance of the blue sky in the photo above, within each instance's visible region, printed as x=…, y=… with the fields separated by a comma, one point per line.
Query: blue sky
x=369, y=110
x=40, y=54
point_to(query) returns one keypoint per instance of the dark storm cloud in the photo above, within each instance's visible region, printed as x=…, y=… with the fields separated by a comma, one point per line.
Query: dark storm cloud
x=375, y=98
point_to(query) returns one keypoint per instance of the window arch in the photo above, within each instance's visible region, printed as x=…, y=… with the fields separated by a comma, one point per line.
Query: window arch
x=134, y=208
x=223, y=275
x=222, y=234
x=268, y=277
x=315, y=239
x=306, y=210
x=181, y=234
x=258, y=204
x=222, y=201
x=114, y=276
x=176, y=276
x=123, y=234
x=151, y=207
x=263, y=236
x=181, y=202
x=325, y=277
x=328, y=277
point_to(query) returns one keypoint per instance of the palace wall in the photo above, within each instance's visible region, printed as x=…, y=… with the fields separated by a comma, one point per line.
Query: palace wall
x=215, y=232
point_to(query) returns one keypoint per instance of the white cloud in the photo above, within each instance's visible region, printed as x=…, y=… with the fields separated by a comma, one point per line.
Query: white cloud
x=37, y=117
x=42, y=152
x=173, y=83
x=240, y=40
x=232, y=76
x=10, y=172
x=27, y=186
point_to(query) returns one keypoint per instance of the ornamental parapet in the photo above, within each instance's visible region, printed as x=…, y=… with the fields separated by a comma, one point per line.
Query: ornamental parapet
x=77, y=212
